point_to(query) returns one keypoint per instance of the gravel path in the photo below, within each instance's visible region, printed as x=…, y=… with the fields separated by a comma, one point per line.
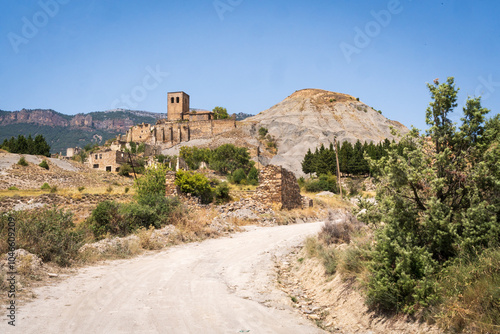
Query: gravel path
x=222, y=285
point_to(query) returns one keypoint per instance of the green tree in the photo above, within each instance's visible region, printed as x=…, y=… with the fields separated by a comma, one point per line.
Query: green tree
x=194, y=156
x=41, y=147
x=227, y=158
x=437, y=199
x=345, y=154
x=308, y=163
x=220, y=113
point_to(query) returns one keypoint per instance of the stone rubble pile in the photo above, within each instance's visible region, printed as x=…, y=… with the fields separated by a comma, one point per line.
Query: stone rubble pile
x=249, y=210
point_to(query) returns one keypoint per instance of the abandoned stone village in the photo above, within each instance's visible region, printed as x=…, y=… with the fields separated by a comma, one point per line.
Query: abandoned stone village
x=182, y=125
x=276, y=184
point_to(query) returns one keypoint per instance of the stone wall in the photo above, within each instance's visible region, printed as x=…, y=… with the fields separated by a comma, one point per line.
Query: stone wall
x=172, y=133
x=171, y=188
x=223, y=125
x=140, y=133
x=291, y=197
x=278, y=185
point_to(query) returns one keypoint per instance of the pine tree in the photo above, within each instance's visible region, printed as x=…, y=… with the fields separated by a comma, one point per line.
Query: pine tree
x=308, y=163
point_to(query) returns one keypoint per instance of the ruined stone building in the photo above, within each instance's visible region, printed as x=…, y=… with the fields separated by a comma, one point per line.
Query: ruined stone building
x=279, y=186
x=182, y=124
x=107, y=160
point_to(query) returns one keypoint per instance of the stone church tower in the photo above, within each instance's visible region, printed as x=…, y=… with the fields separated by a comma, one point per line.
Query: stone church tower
x=177, y=106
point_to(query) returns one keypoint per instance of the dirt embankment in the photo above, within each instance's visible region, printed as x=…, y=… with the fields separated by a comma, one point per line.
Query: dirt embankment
x=335, y=303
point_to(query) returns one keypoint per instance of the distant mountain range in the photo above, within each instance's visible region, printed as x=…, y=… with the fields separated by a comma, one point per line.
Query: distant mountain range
x=62, y=131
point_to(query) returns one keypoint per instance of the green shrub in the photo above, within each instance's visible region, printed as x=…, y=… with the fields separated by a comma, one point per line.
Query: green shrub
x=22, y=162
x=105, y=218
x=137, y=215
x=123, y=219
x=221, y=192
x=48, y=233
x=195, y=184
x=238, y=175
x=127, y=189
x=125, y=170
x=330, y=260
x=44, y=164
x=353, y=186
x=81, y=188
x=45, y=186
x=13, y=188
x=262, y=132
x=253, y=176
x=53, y=189
x=323, y=183
x=151, y=183
x=109, y=189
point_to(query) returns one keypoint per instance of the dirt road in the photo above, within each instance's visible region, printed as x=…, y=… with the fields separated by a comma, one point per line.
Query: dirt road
x=217, y=286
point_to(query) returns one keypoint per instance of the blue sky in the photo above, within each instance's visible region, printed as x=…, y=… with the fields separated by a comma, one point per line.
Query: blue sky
x=78, y=56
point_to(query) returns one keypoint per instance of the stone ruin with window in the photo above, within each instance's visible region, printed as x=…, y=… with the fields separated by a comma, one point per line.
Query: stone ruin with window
x=108, y=160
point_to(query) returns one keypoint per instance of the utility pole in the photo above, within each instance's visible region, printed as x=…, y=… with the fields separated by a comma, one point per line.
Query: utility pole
x=338, y=166
x=132, y=165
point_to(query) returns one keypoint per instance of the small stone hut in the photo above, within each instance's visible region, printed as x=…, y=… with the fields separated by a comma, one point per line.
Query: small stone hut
x=280, y=186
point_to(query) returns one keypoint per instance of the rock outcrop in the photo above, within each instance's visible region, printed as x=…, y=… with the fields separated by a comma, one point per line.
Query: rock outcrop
x=311, y=117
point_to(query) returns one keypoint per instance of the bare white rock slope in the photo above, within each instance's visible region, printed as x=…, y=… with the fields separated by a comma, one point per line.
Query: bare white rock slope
x=311, y=117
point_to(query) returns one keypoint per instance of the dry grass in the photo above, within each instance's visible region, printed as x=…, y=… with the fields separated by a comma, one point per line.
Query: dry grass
x=285, y=217
x=146, y=240
x=116, y=190
x=332, y=202
x=471, y=295
x=194, y=225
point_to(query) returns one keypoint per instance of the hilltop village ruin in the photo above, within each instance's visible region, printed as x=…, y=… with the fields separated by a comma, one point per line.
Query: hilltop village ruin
x=181, y=125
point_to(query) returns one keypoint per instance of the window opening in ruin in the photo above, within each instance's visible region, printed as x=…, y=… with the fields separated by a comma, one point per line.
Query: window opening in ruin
x=96, y=166
x=171, y=100
x=177, y=99
x=108, y=168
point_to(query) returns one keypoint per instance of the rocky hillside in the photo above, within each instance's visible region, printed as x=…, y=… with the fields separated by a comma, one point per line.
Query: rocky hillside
x=62, y=131
x=311, y=117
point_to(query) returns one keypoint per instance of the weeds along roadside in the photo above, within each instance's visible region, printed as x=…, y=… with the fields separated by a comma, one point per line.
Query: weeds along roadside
x=468, y=291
